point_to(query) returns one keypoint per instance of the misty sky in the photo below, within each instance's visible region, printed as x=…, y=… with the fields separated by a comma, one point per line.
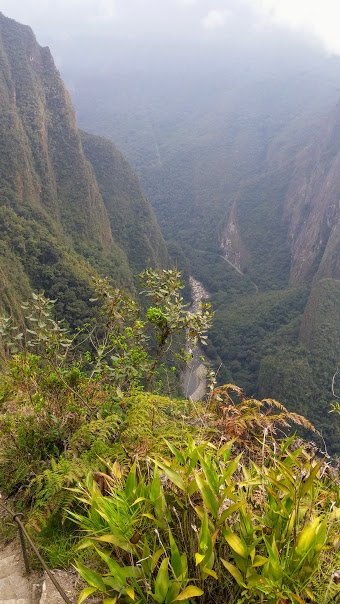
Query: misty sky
x=57, y=22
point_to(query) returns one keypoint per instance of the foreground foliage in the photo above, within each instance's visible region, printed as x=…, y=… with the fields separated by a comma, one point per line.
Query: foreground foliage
x=205, y=522
x=66, y=398
x=173, y=501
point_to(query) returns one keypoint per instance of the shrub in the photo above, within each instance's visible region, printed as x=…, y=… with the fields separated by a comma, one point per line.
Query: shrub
x=202, y=523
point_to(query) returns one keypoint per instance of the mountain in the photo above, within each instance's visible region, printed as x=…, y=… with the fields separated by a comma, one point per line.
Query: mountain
x=283, y=231
x=242, y=170
x=70, y=205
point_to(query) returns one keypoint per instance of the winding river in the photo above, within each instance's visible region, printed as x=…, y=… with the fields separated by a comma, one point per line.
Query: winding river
x=194, y=378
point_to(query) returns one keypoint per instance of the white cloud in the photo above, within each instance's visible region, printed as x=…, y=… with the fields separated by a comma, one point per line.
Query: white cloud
x=321, y=18
x=215, y=19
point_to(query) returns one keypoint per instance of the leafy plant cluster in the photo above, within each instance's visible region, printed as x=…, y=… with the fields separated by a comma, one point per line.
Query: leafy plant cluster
x=67, y=397
x=204, y=522
x=175, y=501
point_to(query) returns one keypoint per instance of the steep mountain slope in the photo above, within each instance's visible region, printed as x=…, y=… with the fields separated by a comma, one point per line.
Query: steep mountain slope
x=56, y=229
x=242, y=170
x=312, y=207
x=288, y=225
x=133, y=224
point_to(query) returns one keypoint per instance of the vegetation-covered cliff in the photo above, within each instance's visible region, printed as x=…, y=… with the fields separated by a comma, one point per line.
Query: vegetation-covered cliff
x=243, y=173
x=61, y=219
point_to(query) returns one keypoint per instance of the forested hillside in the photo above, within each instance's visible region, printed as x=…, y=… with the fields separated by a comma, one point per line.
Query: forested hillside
x=62, y=219
x=242, y=171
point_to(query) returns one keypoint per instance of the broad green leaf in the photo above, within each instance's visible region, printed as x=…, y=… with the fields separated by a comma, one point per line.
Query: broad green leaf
x=115, y=540
x=172, y=475
x=130, y=592
x=110, y=600
x=86, y=593
x=310, y=594
x=234, y=571
x=113, y=566
x=288, y=474
x=225, y=450
x=198, y=558
x=113, y=583
x=229, y=511
x=205, y=538
x=259, y=561
x=232, y=467
x=162, y=581
x=308, y=482
x=176, y=562
x=307, y=537
x=173, y=592
x=189, y=592
x=210, y=474
x=193, y=487
x=156, y=487
x=91, y=577
x=210, y=500
x=131, y=481
x=209, y=571
x=179, y=456
x=155, y=557
x=275, y=566
x=236, y=544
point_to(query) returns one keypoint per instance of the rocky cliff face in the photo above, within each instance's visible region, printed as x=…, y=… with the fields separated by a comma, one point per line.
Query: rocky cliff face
x=312, y=207
x=61, y=218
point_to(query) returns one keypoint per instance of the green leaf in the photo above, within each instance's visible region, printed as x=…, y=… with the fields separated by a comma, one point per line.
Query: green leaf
x=307, y=537
x=155, y=557
x=232, y=467
x=162, y=581
x=298, y=599
x=230, y=510
x=174, y=589
x=259, y=561
x=179, y=456
x=91, y=577
x=176, y=562
x=172, y=475
x=225, y=450
x=236, y=544
x=212, y=477
x=86, y=593
x=198, y=558
x=210, y=500
x=138, y=500
x=130, y=592
x=308, y=482
x=210, y=571
x=234, y=572
x=189, y=592
x=115, y=540
x=131, y=481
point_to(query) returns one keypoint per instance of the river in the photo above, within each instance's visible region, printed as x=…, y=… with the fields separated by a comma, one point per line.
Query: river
x=194, y=377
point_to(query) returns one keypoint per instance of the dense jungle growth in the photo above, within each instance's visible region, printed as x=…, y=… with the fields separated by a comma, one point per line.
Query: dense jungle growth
x=154, y=498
